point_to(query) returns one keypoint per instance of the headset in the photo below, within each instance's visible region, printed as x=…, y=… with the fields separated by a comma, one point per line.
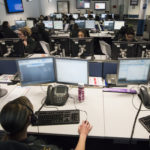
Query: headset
x=15, y=122
x=34, y=117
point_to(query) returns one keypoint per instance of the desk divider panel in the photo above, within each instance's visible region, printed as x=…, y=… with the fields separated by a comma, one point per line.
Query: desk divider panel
x=95, y=69
x=109, y=68
x=8, y=66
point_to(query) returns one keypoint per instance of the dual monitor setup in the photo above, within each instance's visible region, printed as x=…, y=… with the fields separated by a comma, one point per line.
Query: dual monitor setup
x=74, y=71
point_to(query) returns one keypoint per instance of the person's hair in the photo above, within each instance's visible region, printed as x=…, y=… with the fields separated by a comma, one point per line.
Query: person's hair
x=26, y=31
x=15, y=116
x=130, y=30
x=85, y=32
x=5, y=24
x=75, y=26
x=41, y=26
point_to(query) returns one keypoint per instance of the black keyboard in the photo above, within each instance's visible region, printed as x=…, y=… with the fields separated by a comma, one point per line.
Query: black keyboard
x=145, y=121
x=58, y=117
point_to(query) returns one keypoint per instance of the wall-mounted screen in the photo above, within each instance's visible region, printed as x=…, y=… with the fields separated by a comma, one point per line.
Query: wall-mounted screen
x=14, y=6
x=100, y=6
x=83, y=4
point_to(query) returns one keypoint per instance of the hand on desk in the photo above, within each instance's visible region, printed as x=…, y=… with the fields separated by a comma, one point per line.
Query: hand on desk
x=83, y=130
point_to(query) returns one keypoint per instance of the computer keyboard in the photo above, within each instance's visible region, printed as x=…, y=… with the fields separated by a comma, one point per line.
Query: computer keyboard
x=57, y=117
x=118, y=90
x=145, y=121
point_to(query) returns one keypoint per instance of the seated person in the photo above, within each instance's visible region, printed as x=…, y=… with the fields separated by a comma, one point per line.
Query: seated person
x=130, y=34
x=26, y=44
x=15, y=118
x=74, y=30
x=6, y=32
x=83, y=33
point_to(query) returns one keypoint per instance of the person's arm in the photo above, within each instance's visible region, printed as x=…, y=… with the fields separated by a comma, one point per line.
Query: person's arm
x=83, y=130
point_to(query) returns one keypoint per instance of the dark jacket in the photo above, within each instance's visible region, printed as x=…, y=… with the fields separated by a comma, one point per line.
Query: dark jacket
x=8, y=33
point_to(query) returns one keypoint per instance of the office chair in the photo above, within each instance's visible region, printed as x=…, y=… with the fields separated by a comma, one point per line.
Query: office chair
x=45, y=47
x=106, y=49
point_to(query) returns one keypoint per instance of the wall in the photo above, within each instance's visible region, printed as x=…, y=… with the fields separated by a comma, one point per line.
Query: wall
x=50, y=6
x=31, y=9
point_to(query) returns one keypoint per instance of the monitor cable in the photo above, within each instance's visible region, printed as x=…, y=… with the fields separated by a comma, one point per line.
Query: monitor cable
x=133, y=128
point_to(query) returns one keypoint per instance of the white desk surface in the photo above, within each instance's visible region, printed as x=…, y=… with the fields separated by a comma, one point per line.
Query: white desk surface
x=110, y=114
x=119, y=114
x=92, y=104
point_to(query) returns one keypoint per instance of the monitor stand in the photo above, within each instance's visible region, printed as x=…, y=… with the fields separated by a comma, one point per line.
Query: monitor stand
x=3, y=92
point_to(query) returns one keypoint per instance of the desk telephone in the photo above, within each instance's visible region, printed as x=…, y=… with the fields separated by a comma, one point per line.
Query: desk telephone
x=57, y=95
x=144, y=95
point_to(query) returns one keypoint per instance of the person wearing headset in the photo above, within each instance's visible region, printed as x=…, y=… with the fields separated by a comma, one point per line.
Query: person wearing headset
x=17, y=115
x=26, y=44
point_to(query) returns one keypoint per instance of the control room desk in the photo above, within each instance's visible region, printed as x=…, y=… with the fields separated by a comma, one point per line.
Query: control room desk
x=111, y=114
x=93, y=105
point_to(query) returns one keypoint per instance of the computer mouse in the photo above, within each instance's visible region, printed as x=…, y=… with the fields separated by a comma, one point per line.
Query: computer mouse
x=144, y=95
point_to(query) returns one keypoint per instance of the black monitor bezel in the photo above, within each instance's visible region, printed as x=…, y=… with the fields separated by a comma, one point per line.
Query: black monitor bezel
x=30, y=84
x=131, y=83
x=6, y=4
x=75, y=60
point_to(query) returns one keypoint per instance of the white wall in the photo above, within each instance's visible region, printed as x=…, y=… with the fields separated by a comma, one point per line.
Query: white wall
x=31, y=9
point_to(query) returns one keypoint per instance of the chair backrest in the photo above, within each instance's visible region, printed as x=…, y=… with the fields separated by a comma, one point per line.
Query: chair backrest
x=106, y=49
x=45, y=47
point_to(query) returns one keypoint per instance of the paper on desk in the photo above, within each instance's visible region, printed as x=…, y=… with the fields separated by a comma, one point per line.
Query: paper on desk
x=97, y=81
x=6, y=78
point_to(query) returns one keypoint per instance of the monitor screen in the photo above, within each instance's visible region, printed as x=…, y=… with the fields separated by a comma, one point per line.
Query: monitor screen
x=83, y=4
x=58, y=25
x=30, y=23
x=14, y=6
x=103, y=16
x=133, y=71
x=75, y=16
x=20, y=23
x=48, y=24
x=93, y=15
x=36, y=70
x=100, y=6
x=58, y=16
x=90, y=24
x=85, y=15
x=82, y=47
x=118, y=25
x=80, y=23
x=71, y=71
x=109, y=25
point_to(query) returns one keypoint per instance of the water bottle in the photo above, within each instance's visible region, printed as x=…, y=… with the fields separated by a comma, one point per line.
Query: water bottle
x=81, y=92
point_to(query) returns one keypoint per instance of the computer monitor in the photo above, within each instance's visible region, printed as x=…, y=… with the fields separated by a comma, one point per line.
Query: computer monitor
x=93, y=15
x=103, y=16
x=48, y=24
x=20, y=23
x=60, y=45
x=30, y=23
x=90, y=24
x=36, y=70
x=83, y=4
x=133, y=71
x=85, y=15
x=58, y=16
x=99, y=5
x=58, y=25
x=118, y=25
x=80, y=23
x=81, y=47
x=124, y=49
x=109, y=25
x=75, y=16
x=72, y=71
